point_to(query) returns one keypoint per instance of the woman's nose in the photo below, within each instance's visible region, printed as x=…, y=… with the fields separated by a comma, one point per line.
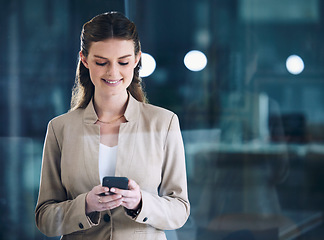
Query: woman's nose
x=112, y=70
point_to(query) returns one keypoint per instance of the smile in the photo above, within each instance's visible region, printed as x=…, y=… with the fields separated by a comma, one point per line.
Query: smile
x=112, y=81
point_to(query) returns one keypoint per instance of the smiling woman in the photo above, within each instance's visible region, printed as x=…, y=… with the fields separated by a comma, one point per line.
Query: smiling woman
x=112, y=131
x=114, y=27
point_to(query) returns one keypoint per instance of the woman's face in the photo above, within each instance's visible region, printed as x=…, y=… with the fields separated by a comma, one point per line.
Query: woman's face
x=111, y=65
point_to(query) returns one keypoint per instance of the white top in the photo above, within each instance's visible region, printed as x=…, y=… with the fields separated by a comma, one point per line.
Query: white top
x=107, y=161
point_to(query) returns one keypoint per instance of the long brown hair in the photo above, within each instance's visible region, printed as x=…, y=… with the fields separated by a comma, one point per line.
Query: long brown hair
x=100, y=28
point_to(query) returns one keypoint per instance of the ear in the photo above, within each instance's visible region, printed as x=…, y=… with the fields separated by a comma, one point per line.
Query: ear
x=137, y=58
x=83, y=59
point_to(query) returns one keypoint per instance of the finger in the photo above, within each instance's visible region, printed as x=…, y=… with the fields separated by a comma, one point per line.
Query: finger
x=111, y=204
x=130, y=201
x=120, y=191
x=92, y=201
x=100, y=190
x=132, y=185
x=110, y=198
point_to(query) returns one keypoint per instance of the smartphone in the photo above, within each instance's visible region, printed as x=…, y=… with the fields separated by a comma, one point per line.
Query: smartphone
x=116, y=182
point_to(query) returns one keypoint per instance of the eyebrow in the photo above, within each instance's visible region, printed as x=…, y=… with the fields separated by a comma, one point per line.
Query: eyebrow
x=125, y=56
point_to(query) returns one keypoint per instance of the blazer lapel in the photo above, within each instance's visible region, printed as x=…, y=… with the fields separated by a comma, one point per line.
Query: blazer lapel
x=127, y=138
x=91, y=142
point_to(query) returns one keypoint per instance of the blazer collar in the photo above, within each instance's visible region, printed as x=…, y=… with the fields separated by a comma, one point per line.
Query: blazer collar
x=131, y=113
x=132, y=109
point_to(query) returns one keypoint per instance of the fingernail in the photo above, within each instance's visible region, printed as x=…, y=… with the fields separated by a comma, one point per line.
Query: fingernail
x=112, y=190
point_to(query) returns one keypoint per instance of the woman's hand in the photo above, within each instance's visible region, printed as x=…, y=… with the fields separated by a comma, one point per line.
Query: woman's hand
x=100, y=199
x=132, y=197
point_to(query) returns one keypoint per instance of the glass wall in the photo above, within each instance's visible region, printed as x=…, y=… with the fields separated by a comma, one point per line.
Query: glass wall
x=252, y=118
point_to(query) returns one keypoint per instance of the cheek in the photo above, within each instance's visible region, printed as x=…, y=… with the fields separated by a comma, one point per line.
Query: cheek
x=95, y=72
x=92, y=75
x=129, y=72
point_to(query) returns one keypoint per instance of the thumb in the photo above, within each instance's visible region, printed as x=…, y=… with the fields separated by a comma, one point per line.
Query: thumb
x=132, y=185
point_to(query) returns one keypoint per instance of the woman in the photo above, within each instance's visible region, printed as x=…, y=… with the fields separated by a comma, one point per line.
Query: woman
x=111, y=130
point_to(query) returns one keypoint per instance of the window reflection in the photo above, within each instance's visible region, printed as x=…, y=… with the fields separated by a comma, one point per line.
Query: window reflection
x=248, y=124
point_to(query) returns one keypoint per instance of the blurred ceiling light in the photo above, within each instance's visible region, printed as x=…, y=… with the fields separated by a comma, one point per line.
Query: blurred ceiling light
x=148, y=65
x=195, y=60
x=294, y=64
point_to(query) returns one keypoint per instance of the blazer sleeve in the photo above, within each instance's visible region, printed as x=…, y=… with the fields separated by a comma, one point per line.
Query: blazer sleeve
x=56, y=214
x=170, y=209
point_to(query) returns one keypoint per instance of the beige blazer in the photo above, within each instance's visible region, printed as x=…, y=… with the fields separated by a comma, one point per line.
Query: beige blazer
x=150, y=151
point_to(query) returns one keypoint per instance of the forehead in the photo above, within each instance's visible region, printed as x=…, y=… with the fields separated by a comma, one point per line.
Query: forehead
x=112, y=48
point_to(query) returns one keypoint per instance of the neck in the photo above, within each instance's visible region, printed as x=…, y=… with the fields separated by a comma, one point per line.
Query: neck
x=110, y=107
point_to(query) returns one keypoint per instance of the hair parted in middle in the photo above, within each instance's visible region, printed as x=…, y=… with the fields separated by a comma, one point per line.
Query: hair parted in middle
x=102, y=27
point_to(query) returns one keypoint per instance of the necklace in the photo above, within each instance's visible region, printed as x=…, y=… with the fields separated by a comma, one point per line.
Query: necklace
x=112, y=121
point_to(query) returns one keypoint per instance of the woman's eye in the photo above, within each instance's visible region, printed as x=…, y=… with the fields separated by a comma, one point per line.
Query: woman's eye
x=123, y=63
x=101, y=64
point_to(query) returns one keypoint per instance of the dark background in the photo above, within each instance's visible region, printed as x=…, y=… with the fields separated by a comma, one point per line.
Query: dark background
x=253, y=132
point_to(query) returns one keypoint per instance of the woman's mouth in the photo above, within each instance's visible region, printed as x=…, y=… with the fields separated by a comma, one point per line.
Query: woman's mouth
x=112, y=82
